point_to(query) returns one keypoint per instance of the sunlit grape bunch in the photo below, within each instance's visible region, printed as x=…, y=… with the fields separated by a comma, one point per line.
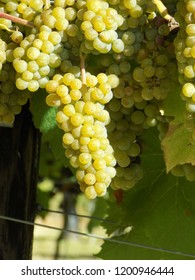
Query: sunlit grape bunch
x=99, y=25
x=83, y=118
x=185, y=51
x=35, y=58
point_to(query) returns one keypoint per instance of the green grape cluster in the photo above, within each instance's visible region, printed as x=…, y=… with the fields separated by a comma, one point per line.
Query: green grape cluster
x=23, y=9
x=123, y=132
x=11, y=100
x=130, y=116
x=185, y=51
x=185, y=54
x=156, y=76
x=187, y=170
x=99, y=25
x=134, y=7
x=35, y=58
x=3, y=47
x=83, y=118
x=137, y=101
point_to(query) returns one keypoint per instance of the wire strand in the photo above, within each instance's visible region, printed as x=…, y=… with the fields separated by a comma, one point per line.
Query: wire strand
x=122, y=242
x=41, y=209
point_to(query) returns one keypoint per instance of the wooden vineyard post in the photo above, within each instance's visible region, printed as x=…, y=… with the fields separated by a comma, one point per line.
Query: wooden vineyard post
x=19, y=149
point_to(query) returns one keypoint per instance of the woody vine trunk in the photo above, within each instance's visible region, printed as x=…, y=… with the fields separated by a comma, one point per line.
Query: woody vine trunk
x=19, y=149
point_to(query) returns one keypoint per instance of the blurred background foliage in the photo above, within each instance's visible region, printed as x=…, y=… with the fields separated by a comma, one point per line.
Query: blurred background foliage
x=58, y=190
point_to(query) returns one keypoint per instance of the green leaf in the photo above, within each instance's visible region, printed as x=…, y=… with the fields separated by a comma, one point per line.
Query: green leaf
x=160, y=210
x=177, y=147
x=43, y=199
x=43, y=115
x=99, y=212
x=174, y=106
x=44, y=119
x=54, y=137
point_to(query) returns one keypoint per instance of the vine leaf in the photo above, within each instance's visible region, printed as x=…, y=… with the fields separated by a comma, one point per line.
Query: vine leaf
x=44, y=119
x=160, y=210
x=174, y=106
x=99, y=211
x=43, y=116
x=177, y=147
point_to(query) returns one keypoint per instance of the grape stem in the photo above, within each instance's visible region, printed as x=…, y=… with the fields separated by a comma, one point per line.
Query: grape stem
x=16, y=19
x=164, y=13
x=2, y=26
x=47, y=4
x=83, y=73
x=162, y=9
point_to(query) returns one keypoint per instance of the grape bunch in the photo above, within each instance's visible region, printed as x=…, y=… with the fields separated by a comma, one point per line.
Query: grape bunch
x=83, y=118
x=123, y=133
x=185, y=55
x=11, y=100
x=3, y=47
x=99, y=25
x=35, y=58
x=185, y=51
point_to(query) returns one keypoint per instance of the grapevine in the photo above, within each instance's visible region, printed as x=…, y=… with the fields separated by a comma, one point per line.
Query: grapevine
x=108, y=67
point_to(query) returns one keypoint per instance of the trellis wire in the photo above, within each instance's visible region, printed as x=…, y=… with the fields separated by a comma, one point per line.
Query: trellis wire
x=122, y=242
x=42, y=209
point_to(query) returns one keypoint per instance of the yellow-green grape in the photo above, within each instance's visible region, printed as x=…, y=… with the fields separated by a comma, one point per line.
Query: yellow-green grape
x=178, y=171
x=139, y=75
x=100, y=188
x=118, y=46
x=85, y=158
x=90, y=192
x=93, y=144
x=17, y=36
x=188, y=89
x=52, y=86
x=189, y=172
x=126, y=178
x=20, y=65
x=76, y=119
x=53, y=100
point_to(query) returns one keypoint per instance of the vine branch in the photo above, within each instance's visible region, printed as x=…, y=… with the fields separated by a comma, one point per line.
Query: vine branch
x=162, y=9
x=16, y=19
x=47, y=4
